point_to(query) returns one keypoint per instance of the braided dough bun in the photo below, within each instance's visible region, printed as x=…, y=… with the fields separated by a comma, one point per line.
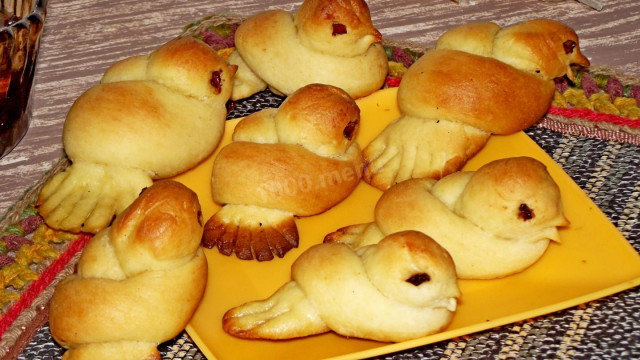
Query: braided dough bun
x=151, y=117
x=300, y=159
x=329, y=42
x=402, y=288
x=494, y=222
x=479, y=80
x=138, y=281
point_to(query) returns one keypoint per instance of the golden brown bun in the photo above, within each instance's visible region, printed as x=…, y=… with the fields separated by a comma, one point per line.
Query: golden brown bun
x=475, y=38
x=329, y=42
x=545, y=47
x=474, y=90
x=494, y=222
x=164, y=122
x=318, y=23
x=300, y=159
x=286, y=177
x=402, y=288
x=155, y=115
x=138, y=281
x=541, y=46
x=479, y=80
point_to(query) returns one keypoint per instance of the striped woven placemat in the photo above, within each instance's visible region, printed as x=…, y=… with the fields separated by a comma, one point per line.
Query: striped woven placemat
x=596, y=144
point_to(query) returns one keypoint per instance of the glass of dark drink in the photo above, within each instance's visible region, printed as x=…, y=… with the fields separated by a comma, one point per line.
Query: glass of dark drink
x=21, y=27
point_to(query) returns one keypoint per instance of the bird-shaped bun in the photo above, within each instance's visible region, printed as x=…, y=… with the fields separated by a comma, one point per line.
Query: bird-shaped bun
x=479, y=80
x=300, y=159
x=494, y=222
x=326, y=41
x=138, y=281
x=151, y=117
x=402, y=288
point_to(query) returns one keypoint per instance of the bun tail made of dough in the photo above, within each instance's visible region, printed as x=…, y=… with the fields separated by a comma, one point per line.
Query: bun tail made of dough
x=326, y=41
x=494, y=222
x=151, y=117
x=479, y=80
x=402, y=288
x=300, y=159
x=138, y=282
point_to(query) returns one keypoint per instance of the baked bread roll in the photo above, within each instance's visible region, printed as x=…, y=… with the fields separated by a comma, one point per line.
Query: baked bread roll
x=479, y=80
x=329, y=42
x=402, y=288
x=494, y=222
x=300, y=159
x=151, y=117
x=138, y=281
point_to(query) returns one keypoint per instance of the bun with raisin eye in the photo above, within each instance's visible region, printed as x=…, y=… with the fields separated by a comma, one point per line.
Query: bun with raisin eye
x=138, y=282
x=479, y=80
x=151, y=117
x=328, y=42
x=494, y=222
x=402, y=288
x=300, y=159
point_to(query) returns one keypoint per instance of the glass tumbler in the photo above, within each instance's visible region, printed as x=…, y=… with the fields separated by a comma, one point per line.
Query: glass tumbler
x=22, y=22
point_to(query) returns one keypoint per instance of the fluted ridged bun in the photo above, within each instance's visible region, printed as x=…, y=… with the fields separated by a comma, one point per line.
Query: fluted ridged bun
x=299, y=159
x=309, y=163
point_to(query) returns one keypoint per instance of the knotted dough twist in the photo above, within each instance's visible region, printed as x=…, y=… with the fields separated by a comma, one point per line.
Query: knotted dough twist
x=494, y=222
x=479, y=80
x=401, y=288
x=138, y=281
x=151, y=117
x=328, y=42
x=300, y=159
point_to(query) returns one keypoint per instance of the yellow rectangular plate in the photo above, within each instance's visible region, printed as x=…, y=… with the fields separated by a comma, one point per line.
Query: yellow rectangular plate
x=592, y=261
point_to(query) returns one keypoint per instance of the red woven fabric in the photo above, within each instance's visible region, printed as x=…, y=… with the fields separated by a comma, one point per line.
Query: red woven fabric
x=45, y=279
x=593, y=116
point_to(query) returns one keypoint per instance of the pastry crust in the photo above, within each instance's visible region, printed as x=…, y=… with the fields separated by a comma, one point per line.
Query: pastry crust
x=119, y=300
x=402, y=288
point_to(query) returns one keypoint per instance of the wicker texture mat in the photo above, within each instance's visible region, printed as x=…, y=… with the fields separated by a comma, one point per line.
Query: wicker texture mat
x=603, y=329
